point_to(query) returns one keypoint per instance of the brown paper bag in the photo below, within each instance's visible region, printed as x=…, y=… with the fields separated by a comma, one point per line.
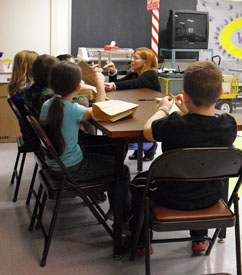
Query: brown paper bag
x=88, y=74
x=112, y=110
x=88, y=91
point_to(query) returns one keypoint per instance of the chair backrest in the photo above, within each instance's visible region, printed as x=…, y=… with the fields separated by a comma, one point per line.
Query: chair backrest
x=197, y=164
x=27, y=131
x=50, y=151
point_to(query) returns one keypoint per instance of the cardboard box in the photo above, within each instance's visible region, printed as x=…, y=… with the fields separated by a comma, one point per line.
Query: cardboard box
x=5, y=77
x=6, y=66
x=9, y=127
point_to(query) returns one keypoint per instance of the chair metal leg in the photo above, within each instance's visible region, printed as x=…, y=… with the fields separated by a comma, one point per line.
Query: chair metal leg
x=32, y=184
x=147, y=237
x=237, y=234
x=48, y=238
x=225, y=194
x=94, y=201
x=215, y=235
x=41, y=211
x=97, y=215
x=36, y=207
x=15, y=168
x=18, y=178
x=137, y=234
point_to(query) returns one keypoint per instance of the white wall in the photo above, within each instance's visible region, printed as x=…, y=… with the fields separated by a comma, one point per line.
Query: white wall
x=60, y=41
x=40, y=25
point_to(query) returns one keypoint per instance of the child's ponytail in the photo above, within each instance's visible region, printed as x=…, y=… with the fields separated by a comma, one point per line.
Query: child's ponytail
x=64, y=78
x=53, y=126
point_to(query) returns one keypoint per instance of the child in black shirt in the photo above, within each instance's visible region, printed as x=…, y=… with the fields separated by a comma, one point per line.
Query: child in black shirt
x=198, y=127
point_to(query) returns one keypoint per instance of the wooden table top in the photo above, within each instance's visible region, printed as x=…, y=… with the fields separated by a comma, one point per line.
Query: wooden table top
x=132, y=127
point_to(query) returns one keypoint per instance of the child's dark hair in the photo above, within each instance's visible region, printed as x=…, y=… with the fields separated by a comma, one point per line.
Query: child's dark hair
x=65, y=57
x=64, y=78
x=41, y=68
x=203, y=83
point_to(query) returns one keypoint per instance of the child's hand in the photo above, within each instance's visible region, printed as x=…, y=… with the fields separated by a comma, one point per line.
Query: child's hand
x=179, y=100
x=99, y=78
x=99, y=81
x=109, y=86
x=166, y=101
x=94, y=66
x=111, y=67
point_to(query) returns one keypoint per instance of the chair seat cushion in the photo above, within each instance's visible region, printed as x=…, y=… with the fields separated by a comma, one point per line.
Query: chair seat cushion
x=216, y=211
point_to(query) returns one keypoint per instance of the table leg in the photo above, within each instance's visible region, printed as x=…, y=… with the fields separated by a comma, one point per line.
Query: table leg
x=140, y=157
x=118, y=202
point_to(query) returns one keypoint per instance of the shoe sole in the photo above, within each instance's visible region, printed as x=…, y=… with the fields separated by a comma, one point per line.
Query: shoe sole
x=200, y=247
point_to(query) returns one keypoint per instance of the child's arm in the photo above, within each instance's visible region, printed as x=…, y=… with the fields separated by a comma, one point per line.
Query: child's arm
x=87, y=115
x=163, y=110
x=99, y=79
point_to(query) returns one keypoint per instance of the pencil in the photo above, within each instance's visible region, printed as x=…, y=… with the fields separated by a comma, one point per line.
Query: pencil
x=146, y=99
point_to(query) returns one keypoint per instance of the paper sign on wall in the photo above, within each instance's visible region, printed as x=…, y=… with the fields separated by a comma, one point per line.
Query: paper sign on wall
x=152, y=4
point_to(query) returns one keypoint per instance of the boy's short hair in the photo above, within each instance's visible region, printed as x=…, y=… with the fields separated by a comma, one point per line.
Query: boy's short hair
x=41, y=68
x=203, y=83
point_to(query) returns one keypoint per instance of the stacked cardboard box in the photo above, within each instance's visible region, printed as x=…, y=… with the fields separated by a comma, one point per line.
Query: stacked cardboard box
x=9, y=127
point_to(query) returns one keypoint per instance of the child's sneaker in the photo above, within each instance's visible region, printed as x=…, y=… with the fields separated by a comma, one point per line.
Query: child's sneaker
x=200, y=246
x=141, y=251
x=109, y=214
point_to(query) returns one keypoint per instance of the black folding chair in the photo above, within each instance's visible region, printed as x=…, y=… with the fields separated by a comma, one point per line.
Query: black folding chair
x=190, y=165
x=27, y=143
x=67, y=187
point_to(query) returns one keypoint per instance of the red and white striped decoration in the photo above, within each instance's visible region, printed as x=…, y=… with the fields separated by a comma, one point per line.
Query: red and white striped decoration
x=155, y=31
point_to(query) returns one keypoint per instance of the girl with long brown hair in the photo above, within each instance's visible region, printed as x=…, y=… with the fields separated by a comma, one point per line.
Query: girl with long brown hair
x=22, y=74
x=61, y=119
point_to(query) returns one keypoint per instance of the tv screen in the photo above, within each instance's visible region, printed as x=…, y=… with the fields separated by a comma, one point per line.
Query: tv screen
x=187, y=30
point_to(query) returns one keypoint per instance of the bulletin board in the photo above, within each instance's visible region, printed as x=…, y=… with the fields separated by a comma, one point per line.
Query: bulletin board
x=96, y=23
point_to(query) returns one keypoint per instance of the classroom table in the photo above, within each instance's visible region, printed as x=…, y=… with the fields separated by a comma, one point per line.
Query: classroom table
x=127, y=130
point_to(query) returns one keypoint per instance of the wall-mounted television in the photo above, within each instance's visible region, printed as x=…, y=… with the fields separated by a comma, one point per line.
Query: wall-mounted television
x=187, y=29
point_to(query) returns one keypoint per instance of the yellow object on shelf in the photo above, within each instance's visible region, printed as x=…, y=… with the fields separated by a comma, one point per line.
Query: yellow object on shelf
x=230, y=86
x=171, y=85
x=5, y=65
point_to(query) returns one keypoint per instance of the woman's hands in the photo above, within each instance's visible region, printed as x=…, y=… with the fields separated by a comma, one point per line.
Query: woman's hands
x=179, y=101
x=109, y=86
x=111, y=67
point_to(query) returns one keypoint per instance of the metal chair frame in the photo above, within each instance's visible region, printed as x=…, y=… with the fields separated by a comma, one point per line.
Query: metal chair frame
x=23, y=149
x=189, y=165
x=67, y=187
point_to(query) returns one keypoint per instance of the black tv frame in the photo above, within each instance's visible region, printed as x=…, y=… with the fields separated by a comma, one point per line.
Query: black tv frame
x=172, y=44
